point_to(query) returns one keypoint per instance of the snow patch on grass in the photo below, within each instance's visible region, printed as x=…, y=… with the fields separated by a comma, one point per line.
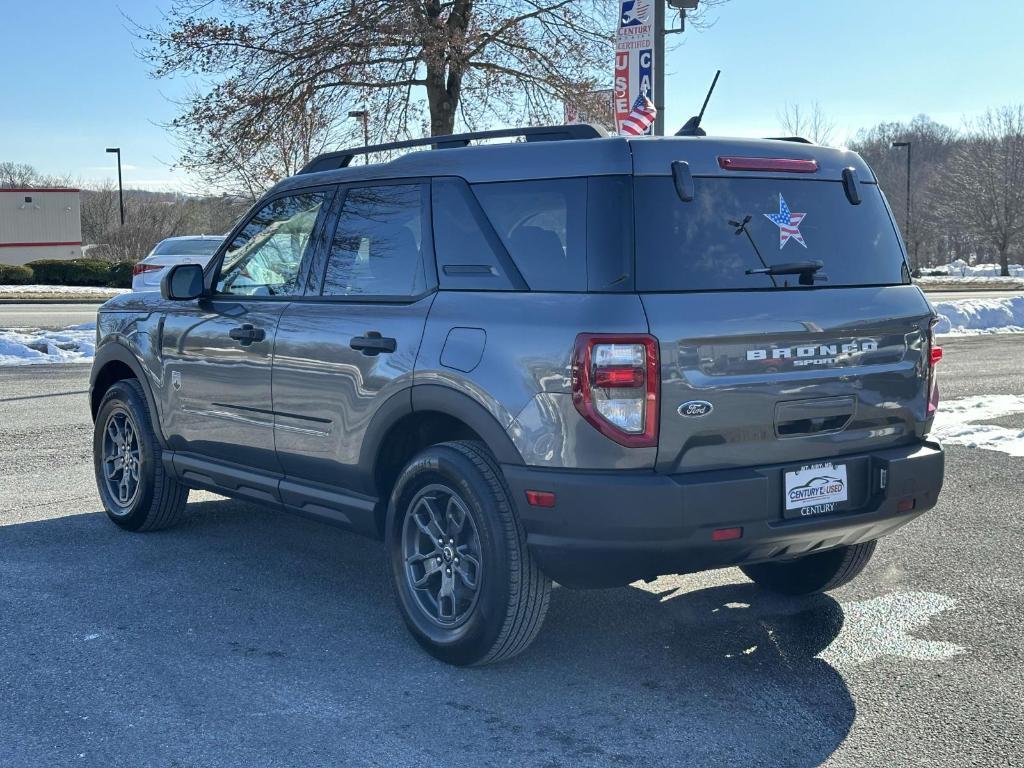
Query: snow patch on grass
x=26, y=346
x=63, y=289
x=961, y=269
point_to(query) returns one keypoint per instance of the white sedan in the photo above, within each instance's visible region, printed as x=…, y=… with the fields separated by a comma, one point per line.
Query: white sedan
x=190, y=249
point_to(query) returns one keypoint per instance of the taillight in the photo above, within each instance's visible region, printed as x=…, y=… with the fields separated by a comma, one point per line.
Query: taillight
x=141, y=268
x=615, y=385
x=934, y=356
x=779, y=164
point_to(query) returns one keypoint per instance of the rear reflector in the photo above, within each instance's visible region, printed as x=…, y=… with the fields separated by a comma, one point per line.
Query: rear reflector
x=905, y=505
x=936, y=354
x=139, y=269
x=778, y=164
x=726, y=534
x=540, y=498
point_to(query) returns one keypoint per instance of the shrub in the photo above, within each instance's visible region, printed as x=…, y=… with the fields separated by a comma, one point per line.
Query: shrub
x=13, y=274
x=121, y=274
x=71, y=272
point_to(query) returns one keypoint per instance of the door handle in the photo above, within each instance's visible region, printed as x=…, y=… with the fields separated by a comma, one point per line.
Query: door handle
x=373, y=343
x=246, y=334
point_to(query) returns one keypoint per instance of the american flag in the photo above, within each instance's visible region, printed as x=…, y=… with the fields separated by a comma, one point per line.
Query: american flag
x=788, y=223
x=640, y=119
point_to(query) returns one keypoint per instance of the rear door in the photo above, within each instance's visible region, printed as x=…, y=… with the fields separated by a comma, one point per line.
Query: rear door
x=773, y=369
x=350, y=345
x=217, y=350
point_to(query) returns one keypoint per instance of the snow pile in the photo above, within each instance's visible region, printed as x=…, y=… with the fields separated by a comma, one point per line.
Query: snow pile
x=960, y=268
x=75, y=344
x=956, y=422
x=973, y=316
x=78, y=290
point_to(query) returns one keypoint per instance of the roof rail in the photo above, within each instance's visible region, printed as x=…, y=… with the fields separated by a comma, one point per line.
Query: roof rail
x=797, y=139
x=330, y=161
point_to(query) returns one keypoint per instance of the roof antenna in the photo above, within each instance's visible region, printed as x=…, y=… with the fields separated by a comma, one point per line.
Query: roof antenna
x=692, y=127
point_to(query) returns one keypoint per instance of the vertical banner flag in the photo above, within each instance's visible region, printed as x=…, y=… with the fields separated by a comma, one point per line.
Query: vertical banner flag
x=634, y=57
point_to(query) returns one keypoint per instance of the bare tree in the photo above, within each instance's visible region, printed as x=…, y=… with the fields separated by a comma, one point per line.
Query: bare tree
x=243, y=157
x=149, y=218
x=930, y=237
x=465, y=59
x=810, y=123
x=99, y=212
x=988, y=172
x=16, y=175
x=417, y=66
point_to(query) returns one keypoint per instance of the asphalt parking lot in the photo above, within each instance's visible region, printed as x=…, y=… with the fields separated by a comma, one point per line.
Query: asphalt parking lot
x=247, y=637
x=49, y=315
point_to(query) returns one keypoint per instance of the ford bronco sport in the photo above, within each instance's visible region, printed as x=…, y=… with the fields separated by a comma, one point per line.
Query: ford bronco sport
x=570, y=357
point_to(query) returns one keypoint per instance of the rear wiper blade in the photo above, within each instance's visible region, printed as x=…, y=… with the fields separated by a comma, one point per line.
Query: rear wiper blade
x=808, y=270
x=741, y=229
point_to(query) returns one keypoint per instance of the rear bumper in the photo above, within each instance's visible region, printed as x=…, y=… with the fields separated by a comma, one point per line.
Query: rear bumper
x=611, y=528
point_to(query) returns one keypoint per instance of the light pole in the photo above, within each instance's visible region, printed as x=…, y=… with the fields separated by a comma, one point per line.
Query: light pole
x=906, y=227
x=364, y=117
x=120, y=186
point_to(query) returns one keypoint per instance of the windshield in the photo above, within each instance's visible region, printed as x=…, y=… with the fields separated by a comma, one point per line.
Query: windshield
x=190, y=246
x=710, y=243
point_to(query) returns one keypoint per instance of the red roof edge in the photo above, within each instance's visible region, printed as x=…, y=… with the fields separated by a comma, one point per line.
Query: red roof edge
x=39, y=189
x=35, y=245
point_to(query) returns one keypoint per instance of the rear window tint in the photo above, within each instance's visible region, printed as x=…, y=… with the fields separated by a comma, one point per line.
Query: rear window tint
x=543, y=225
x=199, y=246
x=694, y=246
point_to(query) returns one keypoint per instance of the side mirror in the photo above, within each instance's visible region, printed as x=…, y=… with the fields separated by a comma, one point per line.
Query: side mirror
x=183, y=282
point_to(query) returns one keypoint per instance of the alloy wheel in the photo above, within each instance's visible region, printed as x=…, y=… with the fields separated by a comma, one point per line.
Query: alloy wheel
x=121, y=457
x=441, y=553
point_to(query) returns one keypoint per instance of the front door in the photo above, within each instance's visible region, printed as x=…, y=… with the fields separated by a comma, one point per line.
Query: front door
x=217, y=350
x=342, y=353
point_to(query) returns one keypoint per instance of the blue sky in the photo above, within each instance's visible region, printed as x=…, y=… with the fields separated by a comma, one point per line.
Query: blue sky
x=73, y=85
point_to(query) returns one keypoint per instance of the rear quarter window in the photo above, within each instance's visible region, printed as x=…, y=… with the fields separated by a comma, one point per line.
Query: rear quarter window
x=543, y=225
x=694, y=246
x=469, y=255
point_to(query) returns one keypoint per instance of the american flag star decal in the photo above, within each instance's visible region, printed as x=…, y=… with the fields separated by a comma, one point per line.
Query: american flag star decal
x=640, y=119
x=788, y=224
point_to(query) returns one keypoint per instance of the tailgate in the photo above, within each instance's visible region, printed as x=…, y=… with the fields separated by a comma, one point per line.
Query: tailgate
x=756, y=377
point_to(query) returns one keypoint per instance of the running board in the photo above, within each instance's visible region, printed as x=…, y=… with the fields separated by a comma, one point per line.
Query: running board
x=346, y=509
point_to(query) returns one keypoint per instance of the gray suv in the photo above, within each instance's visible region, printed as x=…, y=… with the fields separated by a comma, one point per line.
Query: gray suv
x=567, y=357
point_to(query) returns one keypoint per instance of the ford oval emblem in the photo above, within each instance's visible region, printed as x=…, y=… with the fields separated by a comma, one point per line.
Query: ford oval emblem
x=695, y=408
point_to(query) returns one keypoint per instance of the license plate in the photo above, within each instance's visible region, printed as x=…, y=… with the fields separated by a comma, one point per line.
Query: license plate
x=815, y=489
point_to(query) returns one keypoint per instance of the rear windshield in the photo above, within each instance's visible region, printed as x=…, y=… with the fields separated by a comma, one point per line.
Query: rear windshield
x=705, y=245
x=195, y=246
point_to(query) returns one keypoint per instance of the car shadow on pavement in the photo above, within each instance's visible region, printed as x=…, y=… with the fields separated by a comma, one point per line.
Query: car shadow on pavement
x=249, y=637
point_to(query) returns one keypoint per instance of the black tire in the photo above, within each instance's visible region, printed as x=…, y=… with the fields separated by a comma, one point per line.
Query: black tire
x=157, y=500
x=819, y=572
x=505, y=613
